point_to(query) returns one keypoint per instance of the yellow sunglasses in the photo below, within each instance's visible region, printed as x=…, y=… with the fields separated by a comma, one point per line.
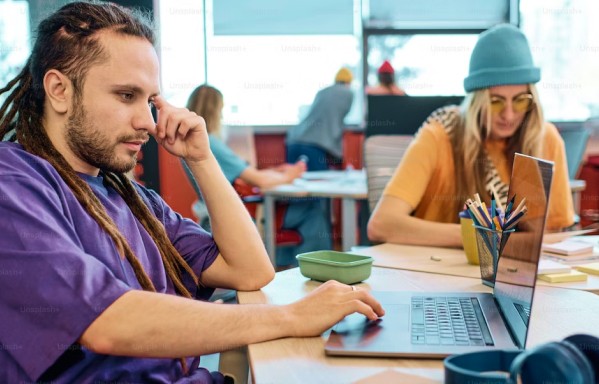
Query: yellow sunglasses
x=520, y=104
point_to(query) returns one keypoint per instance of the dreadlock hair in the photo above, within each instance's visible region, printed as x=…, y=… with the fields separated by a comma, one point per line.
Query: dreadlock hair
x=68, y=41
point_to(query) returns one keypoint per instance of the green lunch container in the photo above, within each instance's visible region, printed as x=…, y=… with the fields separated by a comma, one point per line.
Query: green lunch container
x=331, y=265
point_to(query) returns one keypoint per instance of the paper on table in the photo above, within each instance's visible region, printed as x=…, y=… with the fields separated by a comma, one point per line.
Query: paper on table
x=571, y=276
x=572, y=260
x=592, y=268
x=569, y=247
x=554, y=237
x=549, y=266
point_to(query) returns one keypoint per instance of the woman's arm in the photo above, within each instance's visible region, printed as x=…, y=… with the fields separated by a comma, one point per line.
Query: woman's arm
x=266, y=178
x=391, y=223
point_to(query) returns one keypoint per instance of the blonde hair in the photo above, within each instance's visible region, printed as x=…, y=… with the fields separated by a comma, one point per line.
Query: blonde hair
x=468, y=135
x=207, y=102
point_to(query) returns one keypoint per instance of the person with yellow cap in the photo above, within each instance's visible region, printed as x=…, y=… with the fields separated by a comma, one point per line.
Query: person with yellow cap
x=467, y=149
x=386, y=86
x=318, y=137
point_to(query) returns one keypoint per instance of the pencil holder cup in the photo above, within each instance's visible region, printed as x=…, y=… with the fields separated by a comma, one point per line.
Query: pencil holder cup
x=490, y=244
x=469, y=238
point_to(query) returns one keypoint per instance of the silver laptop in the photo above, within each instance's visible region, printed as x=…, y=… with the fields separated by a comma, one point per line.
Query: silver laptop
x=439, y=324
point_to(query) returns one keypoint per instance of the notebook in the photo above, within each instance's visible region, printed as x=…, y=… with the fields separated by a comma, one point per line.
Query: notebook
x=547, y=266
x=439, y=324
x=569, y=247
x=573, y=259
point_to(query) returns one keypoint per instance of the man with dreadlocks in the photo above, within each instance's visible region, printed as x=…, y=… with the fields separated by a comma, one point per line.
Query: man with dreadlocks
x=98, y=273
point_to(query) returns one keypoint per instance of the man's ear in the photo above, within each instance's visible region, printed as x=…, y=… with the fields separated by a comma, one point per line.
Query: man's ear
x=59, y=91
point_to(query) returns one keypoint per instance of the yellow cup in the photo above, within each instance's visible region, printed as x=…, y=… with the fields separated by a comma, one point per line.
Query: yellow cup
x=469, y=240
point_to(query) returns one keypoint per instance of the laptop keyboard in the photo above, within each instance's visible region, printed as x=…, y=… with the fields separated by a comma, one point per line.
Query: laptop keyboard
x=448, y=321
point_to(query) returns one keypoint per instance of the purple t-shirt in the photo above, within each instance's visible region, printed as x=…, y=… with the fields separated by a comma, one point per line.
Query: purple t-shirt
x=59, y=271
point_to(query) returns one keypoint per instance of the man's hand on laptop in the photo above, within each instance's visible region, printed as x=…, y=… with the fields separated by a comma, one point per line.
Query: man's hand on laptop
x=327, y=305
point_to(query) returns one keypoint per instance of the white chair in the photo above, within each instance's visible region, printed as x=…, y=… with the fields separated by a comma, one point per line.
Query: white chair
x=382, y=154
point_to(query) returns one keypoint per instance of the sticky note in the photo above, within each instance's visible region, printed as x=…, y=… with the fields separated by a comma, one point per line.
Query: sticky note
x=592, y=268
x=564, y=277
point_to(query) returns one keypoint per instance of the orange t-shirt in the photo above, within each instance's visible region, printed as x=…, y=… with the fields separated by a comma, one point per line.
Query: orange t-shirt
x=425, y=176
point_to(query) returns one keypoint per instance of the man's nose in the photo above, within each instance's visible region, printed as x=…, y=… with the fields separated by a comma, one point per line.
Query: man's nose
x=144, y=118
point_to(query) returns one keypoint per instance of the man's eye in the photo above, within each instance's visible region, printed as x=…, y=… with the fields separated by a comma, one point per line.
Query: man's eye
x=127, y=96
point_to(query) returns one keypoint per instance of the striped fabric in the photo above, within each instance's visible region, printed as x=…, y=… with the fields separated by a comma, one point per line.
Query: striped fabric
x=449, y=117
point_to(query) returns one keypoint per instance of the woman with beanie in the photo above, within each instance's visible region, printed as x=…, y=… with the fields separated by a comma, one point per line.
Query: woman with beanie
x=303, y=216
x=318, y=137
x=469, y=149
x=386, y=86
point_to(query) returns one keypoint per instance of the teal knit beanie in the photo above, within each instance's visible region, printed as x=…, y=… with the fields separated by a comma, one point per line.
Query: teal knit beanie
x=501, y=56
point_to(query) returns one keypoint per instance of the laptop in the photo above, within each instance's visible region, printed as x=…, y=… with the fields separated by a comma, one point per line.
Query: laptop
x=439, y=324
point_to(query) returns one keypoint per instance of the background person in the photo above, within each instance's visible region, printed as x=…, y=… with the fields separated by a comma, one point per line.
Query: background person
x=465, y=150
x=304, y=216
x=319, y=136
x=386, y=85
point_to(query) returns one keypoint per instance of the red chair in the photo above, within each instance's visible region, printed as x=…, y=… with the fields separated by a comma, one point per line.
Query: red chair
x=252, y=198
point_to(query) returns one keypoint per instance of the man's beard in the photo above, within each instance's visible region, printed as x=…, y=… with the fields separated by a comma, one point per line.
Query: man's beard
x=90, y=144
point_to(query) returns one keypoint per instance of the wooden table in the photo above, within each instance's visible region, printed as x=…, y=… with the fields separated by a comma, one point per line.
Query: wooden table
x=349, y=186
x=556, y=313
x=450, y=261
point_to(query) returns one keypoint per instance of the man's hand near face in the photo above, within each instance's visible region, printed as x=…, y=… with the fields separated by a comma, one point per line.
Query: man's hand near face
x=181, y=132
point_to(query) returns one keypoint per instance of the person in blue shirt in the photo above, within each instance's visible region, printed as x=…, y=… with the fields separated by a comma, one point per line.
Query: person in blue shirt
x=319, y=135
x=304, y=216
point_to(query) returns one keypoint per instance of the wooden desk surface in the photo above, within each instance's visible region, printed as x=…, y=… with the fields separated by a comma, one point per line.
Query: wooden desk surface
x=447, y=261
x=556, y=313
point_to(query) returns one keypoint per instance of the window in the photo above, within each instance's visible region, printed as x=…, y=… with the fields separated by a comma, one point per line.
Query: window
x=270, y=65
x=425, y=64
x=270, y=58
x=14, y=39
x=564, y=39
x=272, y=80
x=435, y=14
x=181, y=48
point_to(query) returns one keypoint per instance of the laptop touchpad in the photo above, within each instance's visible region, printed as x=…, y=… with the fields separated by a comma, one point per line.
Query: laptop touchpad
x=396, y=316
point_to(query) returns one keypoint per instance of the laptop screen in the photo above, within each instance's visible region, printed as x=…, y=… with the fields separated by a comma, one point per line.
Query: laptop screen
x=517, y=266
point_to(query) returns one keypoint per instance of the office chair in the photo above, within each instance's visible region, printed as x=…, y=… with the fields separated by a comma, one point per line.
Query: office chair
x=252, y=199
x=382, y=154
x=575, y=141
